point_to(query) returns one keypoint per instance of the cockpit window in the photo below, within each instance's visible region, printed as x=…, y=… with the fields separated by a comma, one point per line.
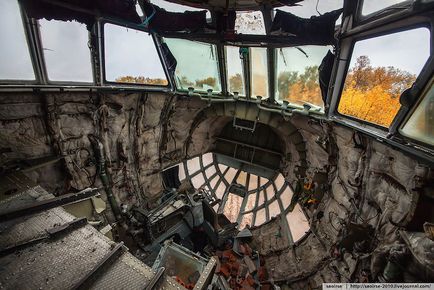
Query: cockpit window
x=66, y=51
x=15, y=62
x=371, y=6
x=131, y=57
x=243, y=196
x=420, y=125
x=234, y=68
x=197, y=65
x=297, y=74
x=380, y=70
x=259, y=72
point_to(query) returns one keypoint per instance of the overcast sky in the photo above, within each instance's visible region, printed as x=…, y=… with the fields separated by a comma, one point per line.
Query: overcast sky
x=130, y=52
x=15, y=61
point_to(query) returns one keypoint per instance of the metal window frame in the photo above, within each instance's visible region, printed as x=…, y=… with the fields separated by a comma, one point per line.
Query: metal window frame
x=31, y=42
x=220, y=65
x=101, y=42
x=422, y=19
x=243, y=72
x=44, y=63
x=260, y=189
x=424, y=94
x=42, y=82
x=399, y=9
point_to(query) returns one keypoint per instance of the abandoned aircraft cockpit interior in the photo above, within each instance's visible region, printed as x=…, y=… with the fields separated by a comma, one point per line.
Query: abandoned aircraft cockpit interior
x=216, y=144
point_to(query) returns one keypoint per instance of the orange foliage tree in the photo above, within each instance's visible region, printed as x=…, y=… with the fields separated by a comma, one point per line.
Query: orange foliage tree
x=300, y=88
x=372, y=93
x=236, y=83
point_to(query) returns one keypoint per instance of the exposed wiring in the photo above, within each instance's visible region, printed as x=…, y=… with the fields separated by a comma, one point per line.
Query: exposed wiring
x=316, y=8
x=339, y=219
x=302, y=51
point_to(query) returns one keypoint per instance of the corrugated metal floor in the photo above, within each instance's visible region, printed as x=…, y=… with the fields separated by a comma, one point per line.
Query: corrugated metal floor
x=60, y=263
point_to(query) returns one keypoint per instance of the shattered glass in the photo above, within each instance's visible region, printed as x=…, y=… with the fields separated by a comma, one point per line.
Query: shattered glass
x=250, y=22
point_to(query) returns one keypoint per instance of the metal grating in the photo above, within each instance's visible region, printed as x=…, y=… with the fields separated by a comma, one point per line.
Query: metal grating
x=61, y=263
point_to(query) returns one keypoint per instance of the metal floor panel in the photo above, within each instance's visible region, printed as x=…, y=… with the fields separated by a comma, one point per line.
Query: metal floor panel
x=61, y=263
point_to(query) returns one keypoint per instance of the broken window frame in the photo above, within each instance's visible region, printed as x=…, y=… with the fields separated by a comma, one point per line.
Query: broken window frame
x=106, y=82
x=271, y=182
x=45, y=65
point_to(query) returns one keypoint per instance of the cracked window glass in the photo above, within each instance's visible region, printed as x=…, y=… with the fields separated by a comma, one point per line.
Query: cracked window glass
x=309, y=8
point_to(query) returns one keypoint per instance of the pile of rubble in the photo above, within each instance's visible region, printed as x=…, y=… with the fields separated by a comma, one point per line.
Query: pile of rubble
x=239, y=266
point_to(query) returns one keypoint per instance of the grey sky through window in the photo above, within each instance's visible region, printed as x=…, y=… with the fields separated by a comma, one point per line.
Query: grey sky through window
x=406, y=50
x=130, y=52
x=15, y=62
x=66, y=51
x=370, y=6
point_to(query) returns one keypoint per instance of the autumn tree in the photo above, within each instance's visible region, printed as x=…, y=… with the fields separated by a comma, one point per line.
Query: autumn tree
x=300, y=88
x=372, y=93
x=210, y=82
x=236, y=83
